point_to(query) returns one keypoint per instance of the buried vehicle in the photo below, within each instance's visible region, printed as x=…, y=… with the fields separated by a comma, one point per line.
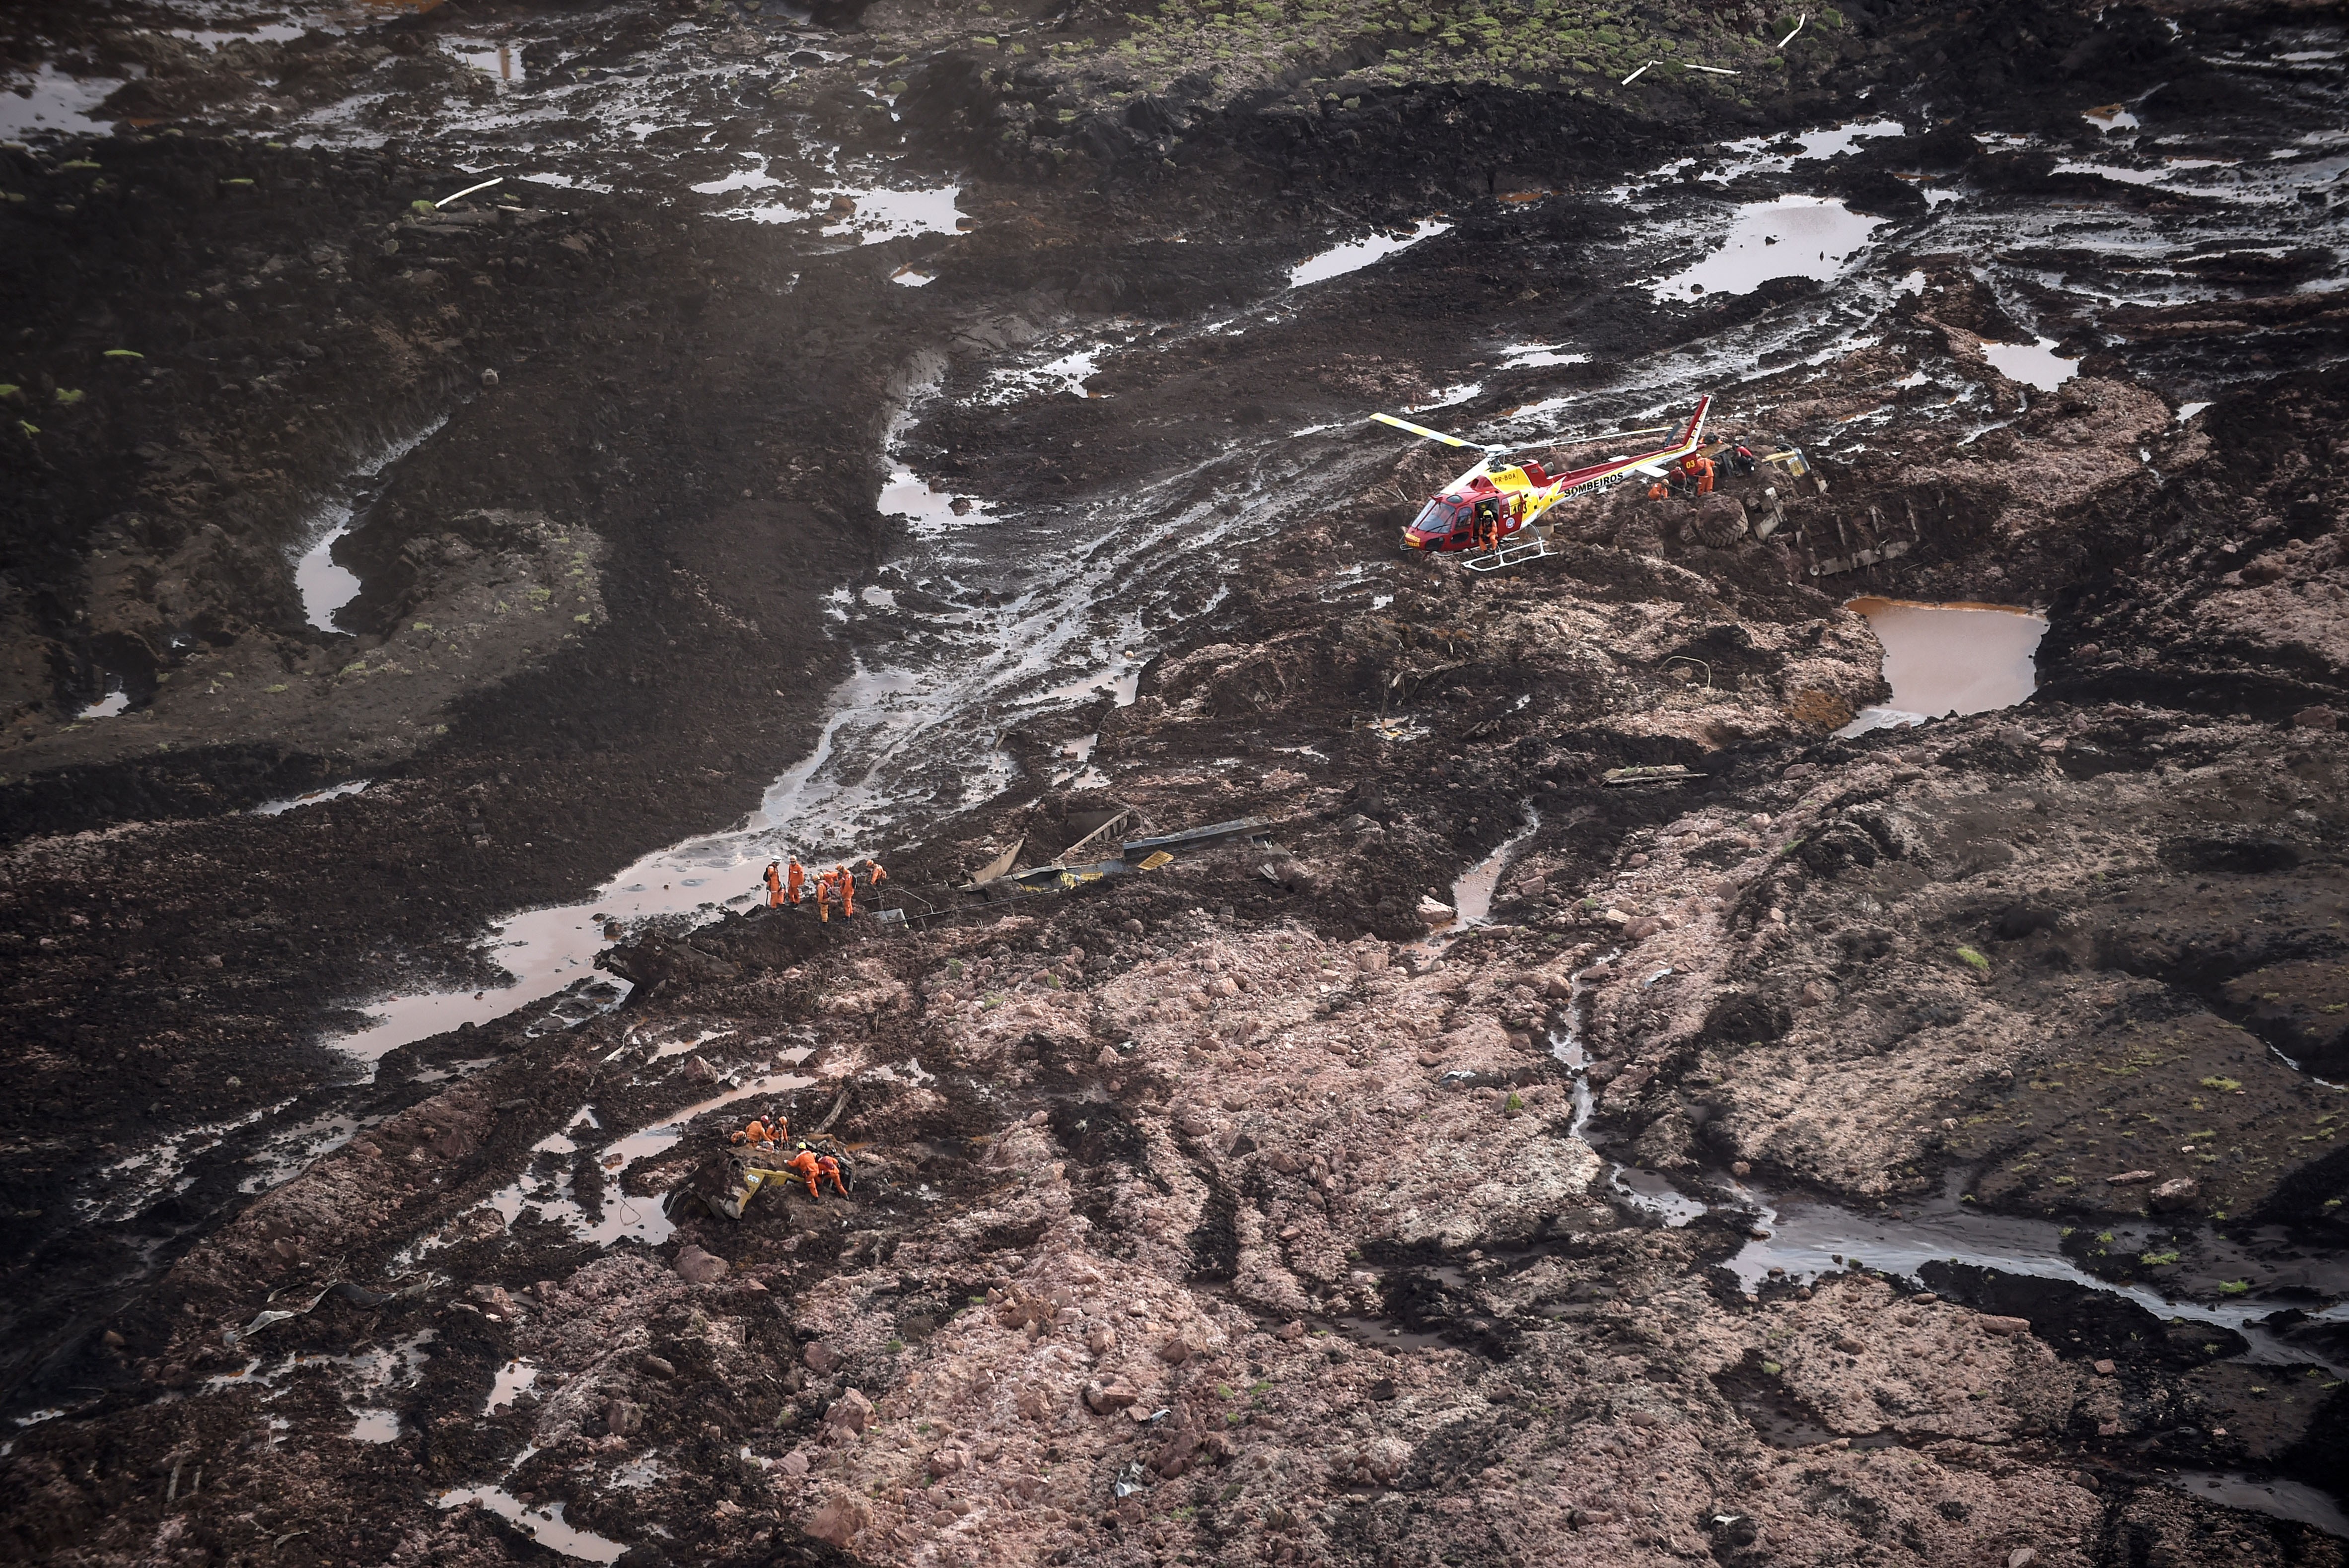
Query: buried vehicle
x=727, y=1181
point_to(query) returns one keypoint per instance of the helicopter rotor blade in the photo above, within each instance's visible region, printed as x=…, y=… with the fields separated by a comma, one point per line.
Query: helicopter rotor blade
x=1563, y=438
x=1434, y=435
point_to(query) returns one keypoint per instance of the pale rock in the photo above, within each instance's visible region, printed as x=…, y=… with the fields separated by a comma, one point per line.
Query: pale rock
x=851, y=1412
x=837, y=1522
x=699, y=1267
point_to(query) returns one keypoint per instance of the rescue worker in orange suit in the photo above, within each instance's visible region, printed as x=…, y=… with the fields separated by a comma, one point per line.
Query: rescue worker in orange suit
x=774, y=884
x=808, y=1164
x=795, y=878
x=1659, y=491
x=873, y=875
x=761, y=1135
x=1488, y=524
x=1699, y=467
x=824, y=894
x=847, y=880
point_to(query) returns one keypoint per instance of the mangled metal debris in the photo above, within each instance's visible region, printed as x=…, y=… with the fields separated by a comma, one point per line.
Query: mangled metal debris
x=1066, y=872
x=1667, y=773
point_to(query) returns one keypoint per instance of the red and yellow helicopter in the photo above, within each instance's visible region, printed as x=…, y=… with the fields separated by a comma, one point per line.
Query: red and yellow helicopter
x=1485, y=506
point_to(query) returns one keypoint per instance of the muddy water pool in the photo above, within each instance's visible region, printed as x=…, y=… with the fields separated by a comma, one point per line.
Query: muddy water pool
x=326, y=585
x=2263, y=1494
x=1945, y=659
x=1354, y=256
x=1473, y=890
x=1792, y=237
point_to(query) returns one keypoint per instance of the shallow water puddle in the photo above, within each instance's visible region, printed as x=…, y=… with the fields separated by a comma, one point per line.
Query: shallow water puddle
x=368, y=1425
x=1538, y=356
x=513, y=1379
x=53, y=101
x=278, y=808
x=881, y=214
x=1806, y=1238
x=2270, y=1495
x=1352, y=257
x=110, y=705
x=1793, y=237
x=543, y=1525
x=1473, y=890
x=1944, y=659
x=752, y=177
x=1066, y=374
x=2033, y=364
x=325, y=587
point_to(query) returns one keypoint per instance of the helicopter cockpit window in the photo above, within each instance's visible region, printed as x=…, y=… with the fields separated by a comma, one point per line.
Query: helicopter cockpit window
x=1441, y=517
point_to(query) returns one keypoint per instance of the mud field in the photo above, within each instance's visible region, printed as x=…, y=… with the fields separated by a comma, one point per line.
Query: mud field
x=483, y=478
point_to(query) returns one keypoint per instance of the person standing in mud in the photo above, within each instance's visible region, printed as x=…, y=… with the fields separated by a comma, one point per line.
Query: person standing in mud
x=824, y=891
x=795, y=878
x=847, y=882
x=774, y=884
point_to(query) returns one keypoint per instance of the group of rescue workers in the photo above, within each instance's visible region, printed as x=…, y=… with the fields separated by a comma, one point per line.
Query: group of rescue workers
x=766, y=1138
x=1696, y=473
x=787, y=885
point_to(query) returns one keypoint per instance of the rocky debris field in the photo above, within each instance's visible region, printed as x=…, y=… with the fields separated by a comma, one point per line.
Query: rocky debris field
x=936, y=431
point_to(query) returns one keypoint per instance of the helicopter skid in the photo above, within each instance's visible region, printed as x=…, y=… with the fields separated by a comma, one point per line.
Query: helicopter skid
x=1514, y=552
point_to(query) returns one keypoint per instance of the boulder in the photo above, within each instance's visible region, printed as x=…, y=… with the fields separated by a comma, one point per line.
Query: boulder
x=1100, y=1399
x=1435, y=915
x=2179, y=1192
x=699, y=1267
x=837, y=1520
x=2129, y=1177
x=852, y=1412
x=821, y=1359
x=1386, y=1457
x=2004, y=1327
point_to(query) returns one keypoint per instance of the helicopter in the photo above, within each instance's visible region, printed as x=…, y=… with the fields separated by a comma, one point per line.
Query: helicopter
x=1483, y=507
